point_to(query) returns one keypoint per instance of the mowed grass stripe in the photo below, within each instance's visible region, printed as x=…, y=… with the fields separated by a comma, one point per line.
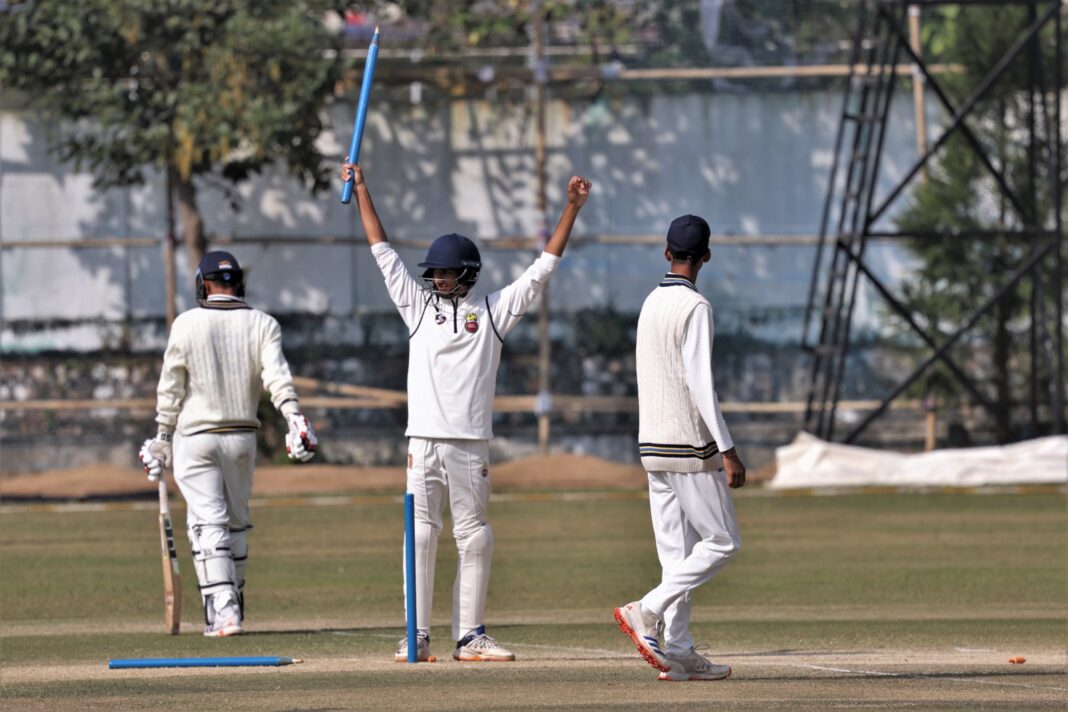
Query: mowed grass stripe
x=344, y=500
x=856, y=573
x=932, y=551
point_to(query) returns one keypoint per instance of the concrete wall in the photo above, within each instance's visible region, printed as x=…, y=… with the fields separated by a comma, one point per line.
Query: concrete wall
x=752, y=163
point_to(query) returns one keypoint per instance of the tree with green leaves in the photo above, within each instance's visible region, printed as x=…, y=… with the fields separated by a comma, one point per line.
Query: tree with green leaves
x=957, y=273
x=206, y=92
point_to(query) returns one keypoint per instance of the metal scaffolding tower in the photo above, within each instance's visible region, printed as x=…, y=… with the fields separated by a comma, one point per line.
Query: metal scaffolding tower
x=857, y=199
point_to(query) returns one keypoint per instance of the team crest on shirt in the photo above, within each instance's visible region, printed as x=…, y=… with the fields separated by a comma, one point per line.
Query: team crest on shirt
x=439, y=318
x=485, y=472
x=472, y=322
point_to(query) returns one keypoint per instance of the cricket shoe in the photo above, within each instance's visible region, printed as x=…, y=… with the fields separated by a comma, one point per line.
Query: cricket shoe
x=225, y=623
x=479, y=647
x=422, y=649
x=693, y=666
x=644, y=630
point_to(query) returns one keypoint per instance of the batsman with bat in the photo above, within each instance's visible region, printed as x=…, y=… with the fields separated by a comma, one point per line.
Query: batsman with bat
x=218, y=359
x=456, y=332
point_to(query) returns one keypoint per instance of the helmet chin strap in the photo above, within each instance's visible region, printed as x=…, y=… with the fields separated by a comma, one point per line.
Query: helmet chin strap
x=461, y=289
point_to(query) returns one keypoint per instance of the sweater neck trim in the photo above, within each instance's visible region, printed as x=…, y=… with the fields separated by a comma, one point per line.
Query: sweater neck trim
x=676, y=280
x=223, y=301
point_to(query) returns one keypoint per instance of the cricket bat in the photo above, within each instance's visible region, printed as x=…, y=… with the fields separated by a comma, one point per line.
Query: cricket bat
x=172, y=581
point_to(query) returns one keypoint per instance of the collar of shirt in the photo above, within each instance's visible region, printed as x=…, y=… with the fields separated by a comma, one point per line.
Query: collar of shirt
x=224, y=301
x=676, y=280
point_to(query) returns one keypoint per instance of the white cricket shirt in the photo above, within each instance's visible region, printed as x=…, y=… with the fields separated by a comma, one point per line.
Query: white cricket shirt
x=454, y=346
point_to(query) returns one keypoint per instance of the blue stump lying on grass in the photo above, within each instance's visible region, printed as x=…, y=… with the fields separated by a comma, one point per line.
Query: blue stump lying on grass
x=200, y=662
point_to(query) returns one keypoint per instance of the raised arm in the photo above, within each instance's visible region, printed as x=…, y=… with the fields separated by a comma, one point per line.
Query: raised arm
x=372, y=226
x=405, y=291
x=578, y=190
x=510, y=304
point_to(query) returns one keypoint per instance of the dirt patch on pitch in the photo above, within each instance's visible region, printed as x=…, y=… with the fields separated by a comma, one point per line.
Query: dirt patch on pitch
x=559, y=471
x=572, y=679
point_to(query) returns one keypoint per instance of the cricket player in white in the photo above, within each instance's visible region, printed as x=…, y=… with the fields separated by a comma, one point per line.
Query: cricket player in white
x=219, y=357
x=455, y=336
x=685, y=448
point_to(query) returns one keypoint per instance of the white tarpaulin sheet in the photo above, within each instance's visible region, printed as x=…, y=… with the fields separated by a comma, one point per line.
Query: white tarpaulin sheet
x=811, y=462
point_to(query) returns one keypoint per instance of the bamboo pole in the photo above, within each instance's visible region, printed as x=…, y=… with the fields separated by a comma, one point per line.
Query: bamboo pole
x=930, y=430
x=919, y=99
x=451, y=75
x=544, y=402
x=168, y=253
x=365, y=398
x=89, y=243
x=500, y=242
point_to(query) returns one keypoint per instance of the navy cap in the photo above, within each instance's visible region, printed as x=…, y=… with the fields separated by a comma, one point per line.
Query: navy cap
x=688, y=235
x=219, y=266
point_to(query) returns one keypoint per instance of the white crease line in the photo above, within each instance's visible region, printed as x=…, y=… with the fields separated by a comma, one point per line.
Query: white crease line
x=854, y=672
x=587, y=651
x=876, y=673
x=1007, y=684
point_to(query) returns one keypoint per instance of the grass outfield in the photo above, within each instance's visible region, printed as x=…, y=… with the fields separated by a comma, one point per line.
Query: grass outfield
x=884, y=601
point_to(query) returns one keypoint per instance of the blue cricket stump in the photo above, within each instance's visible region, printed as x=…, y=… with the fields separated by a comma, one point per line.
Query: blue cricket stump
x=361, y=113
x=409, y=576
x=269, y=661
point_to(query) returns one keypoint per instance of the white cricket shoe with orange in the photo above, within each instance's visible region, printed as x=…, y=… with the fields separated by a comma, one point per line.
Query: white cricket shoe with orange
x=644, y=630
x=480, y=647
x=694, y=666
x=422, y=649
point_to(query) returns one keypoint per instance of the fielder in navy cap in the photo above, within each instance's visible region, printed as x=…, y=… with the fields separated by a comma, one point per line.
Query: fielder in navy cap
x=687, y=238
x=689, y=457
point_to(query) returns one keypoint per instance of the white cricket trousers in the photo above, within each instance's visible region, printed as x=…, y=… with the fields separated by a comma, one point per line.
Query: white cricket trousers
x=696, y=535
x=214, y=473
x=456, y=471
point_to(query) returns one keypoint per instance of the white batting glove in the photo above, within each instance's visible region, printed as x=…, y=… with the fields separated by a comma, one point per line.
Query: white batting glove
x=301, y=442
x=155, y=455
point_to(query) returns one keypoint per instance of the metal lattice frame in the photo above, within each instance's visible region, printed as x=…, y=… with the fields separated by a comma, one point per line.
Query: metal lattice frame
x=880, y=39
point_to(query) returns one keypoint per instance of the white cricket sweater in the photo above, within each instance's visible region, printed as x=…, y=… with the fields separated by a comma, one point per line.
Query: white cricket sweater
x=454, y=346
x=680, y=425
x=219, y=357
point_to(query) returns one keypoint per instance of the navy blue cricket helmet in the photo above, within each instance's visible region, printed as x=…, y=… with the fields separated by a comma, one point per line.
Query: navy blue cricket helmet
x=456, y=252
